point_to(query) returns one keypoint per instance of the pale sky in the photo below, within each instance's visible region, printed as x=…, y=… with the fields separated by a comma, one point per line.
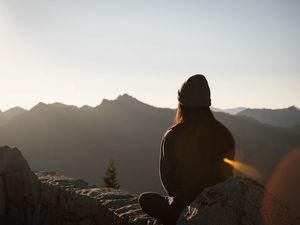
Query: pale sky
x=79, y=52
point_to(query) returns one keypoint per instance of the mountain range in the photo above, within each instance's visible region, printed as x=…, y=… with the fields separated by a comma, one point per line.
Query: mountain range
x=232, y=111
x=10, y=113
x=286, y=117
x=79, y=142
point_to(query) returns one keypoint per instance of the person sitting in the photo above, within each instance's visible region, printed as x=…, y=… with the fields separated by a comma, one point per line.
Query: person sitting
x=192, y=153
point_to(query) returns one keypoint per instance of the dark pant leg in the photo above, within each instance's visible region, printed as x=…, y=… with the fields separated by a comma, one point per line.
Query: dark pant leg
x=153, y=204
x=173, y=211
x=163, y=208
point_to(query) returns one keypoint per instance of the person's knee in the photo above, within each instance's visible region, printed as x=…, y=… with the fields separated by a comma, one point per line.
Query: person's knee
x=146, y=196
x=141, y=197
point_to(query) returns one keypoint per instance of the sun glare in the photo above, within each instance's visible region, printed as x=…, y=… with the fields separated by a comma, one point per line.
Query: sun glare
x=244, y=169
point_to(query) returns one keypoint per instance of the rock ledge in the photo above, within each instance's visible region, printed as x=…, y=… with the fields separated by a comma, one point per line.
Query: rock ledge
x=237, y=201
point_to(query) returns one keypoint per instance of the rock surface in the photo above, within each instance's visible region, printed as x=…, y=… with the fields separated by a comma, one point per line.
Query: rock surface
x=11, y=160
x=45, y=198
x=67, y=200
x=237, y=201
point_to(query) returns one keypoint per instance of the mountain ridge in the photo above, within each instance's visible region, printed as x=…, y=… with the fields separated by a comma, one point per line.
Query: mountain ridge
x=129, y=99
x=285, y=117
x=79, y=142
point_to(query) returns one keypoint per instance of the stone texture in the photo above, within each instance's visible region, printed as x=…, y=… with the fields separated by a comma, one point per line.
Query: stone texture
x=237, y=201
x=11, y=160
x=2, y=196
x=73, y=201
x=46, y=198
x=22, y=195
x=31, y=186
x=15, y=193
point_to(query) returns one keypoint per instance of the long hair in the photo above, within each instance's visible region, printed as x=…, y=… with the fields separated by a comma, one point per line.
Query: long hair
x=188, y=113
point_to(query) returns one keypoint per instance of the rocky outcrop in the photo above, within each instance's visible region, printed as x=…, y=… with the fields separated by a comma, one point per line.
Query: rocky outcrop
x=19, y=187
x=44, y=198
x=12, y=161
x=67, y=200
x=237, y=201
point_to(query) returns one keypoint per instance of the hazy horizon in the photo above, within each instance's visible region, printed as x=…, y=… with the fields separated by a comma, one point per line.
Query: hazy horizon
x=78, y=53
x=79, y=106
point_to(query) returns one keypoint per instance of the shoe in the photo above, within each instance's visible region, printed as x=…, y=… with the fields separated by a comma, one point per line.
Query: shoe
x=154, y=204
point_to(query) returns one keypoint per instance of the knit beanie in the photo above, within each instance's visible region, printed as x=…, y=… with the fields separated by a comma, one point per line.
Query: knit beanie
x=195, y=92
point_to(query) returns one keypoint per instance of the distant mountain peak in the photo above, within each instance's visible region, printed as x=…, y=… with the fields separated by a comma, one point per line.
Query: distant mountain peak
x=43, y=106
x=86, y=108
x=58, y=104
x=61, y=105
x=39, y=106
x=16, y=108
x=126, y=98
x=293, y=108
x=127, y=101
x=234, y=111
x=285, y=117
x=15, y=111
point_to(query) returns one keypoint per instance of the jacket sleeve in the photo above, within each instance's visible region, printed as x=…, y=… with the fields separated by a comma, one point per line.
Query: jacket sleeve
x=229, y=152
x=168, y=166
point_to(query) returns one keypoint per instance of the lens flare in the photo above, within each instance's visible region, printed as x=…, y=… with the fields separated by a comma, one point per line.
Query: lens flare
x=244, y=169
x=285, y=183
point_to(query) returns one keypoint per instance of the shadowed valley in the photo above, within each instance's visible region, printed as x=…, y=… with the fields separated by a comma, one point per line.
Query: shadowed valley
x=79, y=142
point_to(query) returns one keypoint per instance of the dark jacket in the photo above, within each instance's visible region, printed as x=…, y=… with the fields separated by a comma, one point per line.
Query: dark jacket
x=192, y=157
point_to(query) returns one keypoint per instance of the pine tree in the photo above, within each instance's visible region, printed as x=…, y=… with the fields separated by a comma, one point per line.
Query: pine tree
x=110, y=178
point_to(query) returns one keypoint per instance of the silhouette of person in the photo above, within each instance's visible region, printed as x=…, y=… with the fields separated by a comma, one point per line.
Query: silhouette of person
x=192, y=153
